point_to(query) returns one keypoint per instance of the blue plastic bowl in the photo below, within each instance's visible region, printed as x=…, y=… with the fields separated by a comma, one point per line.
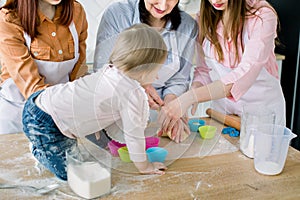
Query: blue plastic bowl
x=194, y=124
x=156, y=154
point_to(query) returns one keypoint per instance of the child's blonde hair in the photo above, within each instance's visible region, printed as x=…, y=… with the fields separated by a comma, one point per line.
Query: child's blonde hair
x=138, y=49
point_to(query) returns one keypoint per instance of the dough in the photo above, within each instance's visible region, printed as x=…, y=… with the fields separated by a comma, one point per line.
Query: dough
x=183, y=136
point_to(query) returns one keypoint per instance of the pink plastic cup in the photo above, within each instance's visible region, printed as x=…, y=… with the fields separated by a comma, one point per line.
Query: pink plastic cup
x=151, y=142
x=114, y=146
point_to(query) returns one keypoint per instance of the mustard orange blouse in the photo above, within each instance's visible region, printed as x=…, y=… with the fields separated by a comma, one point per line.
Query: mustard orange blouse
x=18, y=63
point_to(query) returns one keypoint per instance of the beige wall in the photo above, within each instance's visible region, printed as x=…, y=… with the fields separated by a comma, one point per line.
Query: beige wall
x=93, y=9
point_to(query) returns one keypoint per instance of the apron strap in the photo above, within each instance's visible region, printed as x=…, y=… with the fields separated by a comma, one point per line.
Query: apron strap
x=27, y=40
x=73, y=31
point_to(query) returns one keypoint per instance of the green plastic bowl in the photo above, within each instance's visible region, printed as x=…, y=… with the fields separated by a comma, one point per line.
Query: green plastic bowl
x=207, y=131
x=124, y=154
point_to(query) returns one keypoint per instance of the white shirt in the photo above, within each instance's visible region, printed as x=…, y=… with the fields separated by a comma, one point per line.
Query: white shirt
x=104, y=100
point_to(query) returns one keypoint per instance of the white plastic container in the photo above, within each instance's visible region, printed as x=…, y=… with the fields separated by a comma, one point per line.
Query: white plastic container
x=271, y=147
x=89, y=180
x=252, y=117
x=88, y=177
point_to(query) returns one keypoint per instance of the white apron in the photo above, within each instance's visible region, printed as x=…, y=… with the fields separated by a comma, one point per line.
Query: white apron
x=12, y=101
x=166, y=71
x=265, y=91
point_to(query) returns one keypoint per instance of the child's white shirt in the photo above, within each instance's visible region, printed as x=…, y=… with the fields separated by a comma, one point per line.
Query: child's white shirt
x=107, y=100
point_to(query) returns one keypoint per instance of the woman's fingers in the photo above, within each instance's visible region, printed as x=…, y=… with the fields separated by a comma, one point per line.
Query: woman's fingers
x=180, y=131
x=152, y=104
x=160, y=133
x=185, y=119
x=170, y=125
x=165, y=119
x=186, y=129
x=194, y=108
x=153, y=98
x=162, y=117
x=156, y=98
x=170, y=114
x=174, y=131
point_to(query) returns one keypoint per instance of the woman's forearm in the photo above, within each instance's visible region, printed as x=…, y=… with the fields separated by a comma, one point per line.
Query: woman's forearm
x=212, y=91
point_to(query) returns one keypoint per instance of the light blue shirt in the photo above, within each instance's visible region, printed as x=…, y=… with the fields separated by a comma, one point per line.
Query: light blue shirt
x=121, y=15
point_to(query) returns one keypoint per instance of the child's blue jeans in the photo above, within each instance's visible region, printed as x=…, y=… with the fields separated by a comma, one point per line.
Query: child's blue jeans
x=49, y=145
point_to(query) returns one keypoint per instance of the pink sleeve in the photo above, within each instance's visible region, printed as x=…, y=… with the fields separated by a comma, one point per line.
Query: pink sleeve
x=259, y=48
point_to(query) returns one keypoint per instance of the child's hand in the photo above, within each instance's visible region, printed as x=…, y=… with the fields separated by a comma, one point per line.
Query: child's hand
x=151, y=168
x=154, y=168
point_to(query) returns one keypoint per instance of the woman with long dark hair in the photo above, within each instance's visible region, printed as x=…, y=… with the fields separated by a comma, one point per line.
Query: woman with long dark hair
x=42, y=43
x=238, y=65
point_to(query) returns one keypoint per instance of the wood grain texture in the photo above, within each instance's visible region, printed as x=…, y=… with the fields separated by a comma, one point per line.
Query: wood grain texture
x=224, y=176
x=229, y=120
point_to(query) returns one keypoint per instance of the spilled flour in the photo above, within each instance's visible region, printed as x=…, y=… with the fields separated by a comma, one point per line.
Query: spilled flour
x=17, y=166
x=131, y=184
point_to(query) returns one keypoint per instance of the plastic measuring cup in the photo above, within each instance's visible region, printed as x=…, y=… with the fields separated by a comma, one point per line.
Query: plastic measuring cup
x=252, y=117
x=270, y=148
x=88, y=169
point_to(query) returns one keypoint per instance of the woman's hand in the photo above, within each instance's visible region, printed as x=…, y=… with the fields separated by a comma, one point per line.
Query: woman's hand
x=169, y=101
x=179, y=132
x=174, y=110
x=150, y=168
x=155, y=102
x=173, y=135
x=171, y=113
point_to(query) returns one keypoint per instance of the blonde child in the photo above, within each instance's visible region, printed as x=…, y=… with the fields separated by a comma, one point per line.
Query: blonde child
x=111, y=99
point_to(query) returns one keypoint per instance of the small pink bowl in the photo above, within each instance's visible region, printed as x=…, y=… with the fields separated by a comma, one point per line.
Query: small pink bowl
x=151, y=142
x=114, y=146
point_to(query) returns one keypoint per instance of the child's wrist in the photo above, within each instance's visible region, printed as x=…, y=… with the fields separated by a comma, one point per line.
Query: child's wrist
x=141, y=166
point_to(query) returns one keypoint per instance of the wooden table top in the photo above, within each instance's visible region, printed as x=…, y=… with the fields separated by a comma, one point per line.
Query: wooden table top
x=222, y=176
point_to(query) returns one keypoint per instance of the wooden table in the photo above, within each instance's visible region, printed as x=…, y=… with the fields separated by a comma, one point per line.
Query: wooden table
x=223, y=176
